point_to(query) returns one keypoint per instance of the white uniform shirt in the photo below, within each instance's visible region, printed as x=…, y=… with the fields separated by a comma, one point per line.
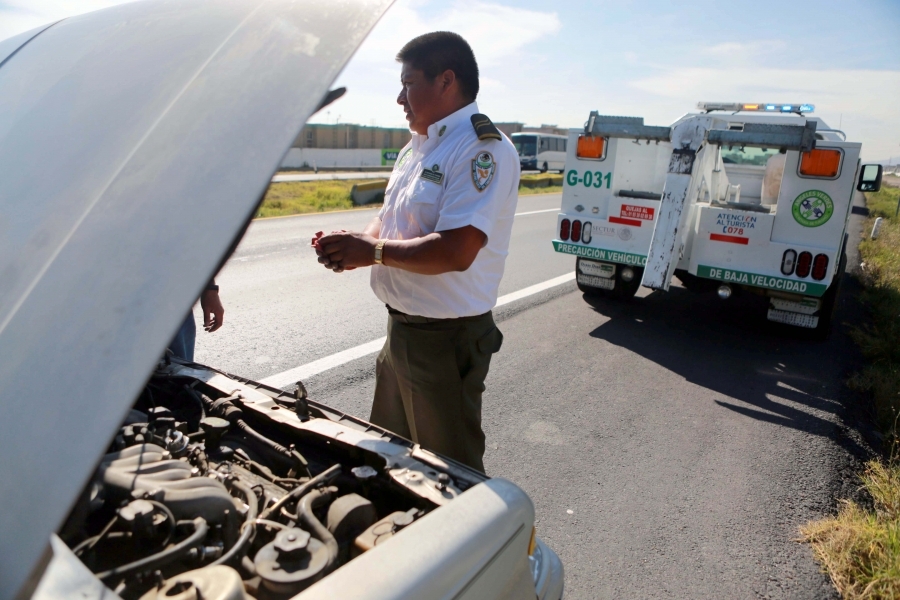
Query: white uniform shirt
x=475, y=183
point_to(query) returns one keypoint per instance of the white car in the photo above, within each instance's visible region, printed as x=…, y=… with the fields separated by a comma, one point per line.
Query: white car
x=135, y=144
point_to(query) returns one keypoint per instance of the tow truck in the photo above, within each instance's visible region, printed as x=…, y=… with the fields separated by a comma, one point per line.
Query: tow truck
x=753, y=196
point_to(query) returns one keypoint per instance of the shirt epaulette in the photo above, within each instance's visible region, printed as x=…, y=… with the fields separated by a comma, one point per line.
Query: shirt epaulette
x=484, y=128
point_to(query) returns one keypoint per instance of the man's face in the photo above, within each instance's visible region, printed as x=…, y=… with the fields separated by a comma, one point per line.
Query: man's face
x=422, y=100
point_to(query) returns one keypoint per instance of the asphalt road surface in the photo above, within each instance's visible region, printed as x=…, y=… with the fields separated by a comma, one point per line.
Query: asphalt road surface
x=672, y=445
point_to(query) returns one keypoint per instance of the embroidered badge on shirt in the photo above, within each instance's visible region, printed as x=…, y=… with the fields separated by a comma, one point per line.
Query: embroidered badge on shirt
x=432, y=174
x=403, y=158
x=483, y=170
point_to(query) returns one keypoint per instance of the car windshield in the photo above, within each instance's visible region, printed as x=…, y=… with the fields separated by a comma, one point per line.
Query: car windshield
x=526, y=145
x=747, y=156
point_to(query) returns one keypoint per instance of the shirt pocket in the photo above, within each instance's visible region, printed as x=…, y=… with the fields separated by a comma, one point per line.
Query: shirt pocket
x=422, y=207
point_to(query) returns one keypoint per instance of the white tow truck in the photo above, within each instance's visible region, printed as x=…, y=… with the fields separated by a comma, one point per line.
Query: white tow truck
x=751, y=196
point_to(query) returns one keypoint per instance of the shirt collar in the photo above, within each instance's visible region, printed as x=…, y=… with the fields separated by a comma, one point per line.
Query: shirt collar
x=441, y=130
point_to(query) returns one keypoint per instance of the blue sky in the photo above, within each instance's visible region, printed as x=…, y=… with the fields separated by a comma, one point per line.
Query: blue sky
x=555, y=62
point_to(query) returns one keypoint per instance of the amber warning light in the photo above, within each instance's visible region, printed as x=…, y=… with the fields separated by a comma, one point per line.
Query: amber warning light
x=591, y=147
x=821, y=162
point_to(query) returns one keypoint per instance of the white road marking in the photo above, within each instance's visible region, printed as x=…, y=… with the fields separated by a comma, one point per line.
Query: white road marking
x=534, y=212
x=335, y=360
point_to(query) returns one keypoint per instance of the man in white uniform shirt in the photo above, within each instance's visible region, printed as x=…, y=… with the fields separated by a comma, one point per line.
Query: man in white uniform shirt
x=437, y=251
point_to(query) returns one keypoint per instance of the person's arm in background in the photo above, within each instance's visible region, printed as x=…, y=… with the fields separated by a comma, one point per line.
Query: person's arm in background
x=211, y=305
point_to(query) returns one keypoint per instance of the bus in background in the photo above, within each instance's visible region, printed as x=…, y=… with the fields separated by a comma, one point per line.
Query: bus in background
x=540, y=151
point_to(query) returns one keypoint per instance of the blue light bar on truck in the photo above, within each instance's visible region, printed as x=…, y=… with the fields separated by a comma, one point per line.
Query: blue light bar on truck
x=756, y=107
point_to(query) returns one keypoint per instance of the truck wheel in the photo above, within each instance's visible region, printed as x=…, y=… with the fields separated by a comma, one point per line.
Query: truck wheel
x=587, y=290
x=544, y=168
x=625, y=290
x=695, y=284
x=829, y=301
x=590, y=291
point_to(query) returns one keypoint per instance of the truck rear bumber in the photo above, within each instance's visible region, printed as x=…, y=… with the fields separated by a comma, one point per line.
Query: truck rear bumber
x=772, y=219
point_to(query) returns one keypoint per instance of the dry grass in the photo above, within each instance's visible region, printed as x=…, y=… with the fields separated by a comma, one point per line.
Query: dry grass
x=550, y=189
x=302, y=197
x=880, y=339
x=860, y=548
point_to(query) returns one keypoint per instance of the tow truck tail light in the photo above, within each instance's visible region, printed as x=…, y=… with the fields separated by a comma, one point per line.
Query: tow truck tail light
x=821, y=162
x=788, y=262
x=804, y=262
x=820, y=267
x=586, y=232
x=576, y=231
x=591, y=147
x=564, y=226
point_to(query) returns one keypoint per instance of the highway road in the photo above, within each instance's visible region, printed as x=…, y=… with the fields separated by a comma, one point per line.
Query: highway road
x=672, y=445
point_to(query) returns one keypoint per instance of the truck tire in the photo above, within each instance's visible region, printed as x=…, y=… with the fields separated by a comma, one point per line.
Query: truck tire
x=624, y=290
x=544, y=168
x=829, y=302
x=695, y=284
x=587, y=290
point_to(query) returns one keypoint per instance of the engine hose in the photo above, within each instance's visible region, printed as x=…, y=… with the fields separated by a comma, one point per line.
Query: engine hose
x=243, y=426
x=164, y=556
x=225, y=408
x=247, y=528
x=315, y=527
x=298, y=492
x=90, y=542
x=190, y=392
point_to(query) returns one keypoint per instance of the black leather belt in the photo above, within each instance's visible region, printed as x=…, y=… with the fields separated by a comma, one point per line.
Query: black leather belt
x=405, y=318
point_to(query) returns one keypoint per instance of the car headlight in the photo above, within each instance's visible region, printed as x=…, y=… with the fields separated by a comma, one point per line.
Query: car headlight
x=534, y=556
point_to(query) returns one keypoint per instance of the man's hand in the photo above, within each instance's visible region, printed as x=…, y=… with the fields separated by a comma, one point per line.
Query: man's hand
x=432, y=254
x=323, y=258
x=346, y=250
x=213, y=312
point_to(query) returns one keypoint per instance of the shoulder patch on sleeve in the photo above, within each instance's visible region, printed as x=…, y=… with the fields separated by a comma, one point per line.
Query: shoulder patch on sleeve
x=484, y=128
x=483, y=167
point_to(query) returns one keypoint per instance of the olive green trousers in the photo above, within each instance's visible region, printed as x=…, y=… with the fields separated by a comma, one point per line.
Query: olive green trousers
x=429, y=378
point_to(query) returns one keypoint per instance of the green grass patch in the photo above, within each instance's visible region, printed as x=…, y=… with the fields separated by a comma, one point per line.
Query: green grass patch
x=884, y=202
x=859, y=547
x=550, y=189
x=879, y=339
x=303, y=197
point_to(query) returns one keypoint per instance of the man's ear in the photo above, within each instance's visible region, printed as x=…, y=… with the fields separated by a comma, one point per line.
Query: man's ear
x=448, y=80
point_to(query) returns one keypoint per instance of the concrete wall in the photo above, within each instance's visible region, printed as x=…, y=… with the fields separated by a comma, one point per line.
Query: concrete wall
x=329, y=157
x=348, y=135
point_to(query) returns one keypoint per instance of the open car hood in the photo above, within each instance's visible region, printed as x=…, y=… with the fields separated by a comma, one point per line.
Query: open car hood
x=135, y=145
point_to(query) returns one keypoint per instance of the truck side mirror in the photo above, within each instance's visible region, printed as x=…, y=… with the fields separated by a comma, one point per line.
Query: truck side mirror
x=869, y=178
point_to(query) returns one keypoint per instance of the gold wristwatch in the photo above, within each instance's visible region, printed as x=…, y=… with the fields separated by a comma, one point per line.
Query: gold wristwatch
x=379, y=252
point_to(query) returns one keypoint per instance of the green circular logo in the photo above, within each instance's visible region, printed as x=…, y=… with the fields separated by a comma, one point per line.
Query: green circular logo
x=812, y=208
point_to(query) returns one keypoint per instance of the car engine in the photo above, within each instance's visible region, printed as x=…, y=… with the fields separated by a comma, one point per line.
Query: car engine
x=218, y=487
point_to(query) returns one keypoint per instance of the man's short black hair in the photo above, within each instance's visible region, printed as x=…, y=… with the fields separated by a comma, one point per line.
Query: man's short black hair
x=438, y=51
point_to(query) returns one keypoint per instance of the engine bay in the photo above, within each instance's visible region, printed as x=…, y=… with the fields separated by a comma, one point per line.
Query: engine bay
x=219, y=487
